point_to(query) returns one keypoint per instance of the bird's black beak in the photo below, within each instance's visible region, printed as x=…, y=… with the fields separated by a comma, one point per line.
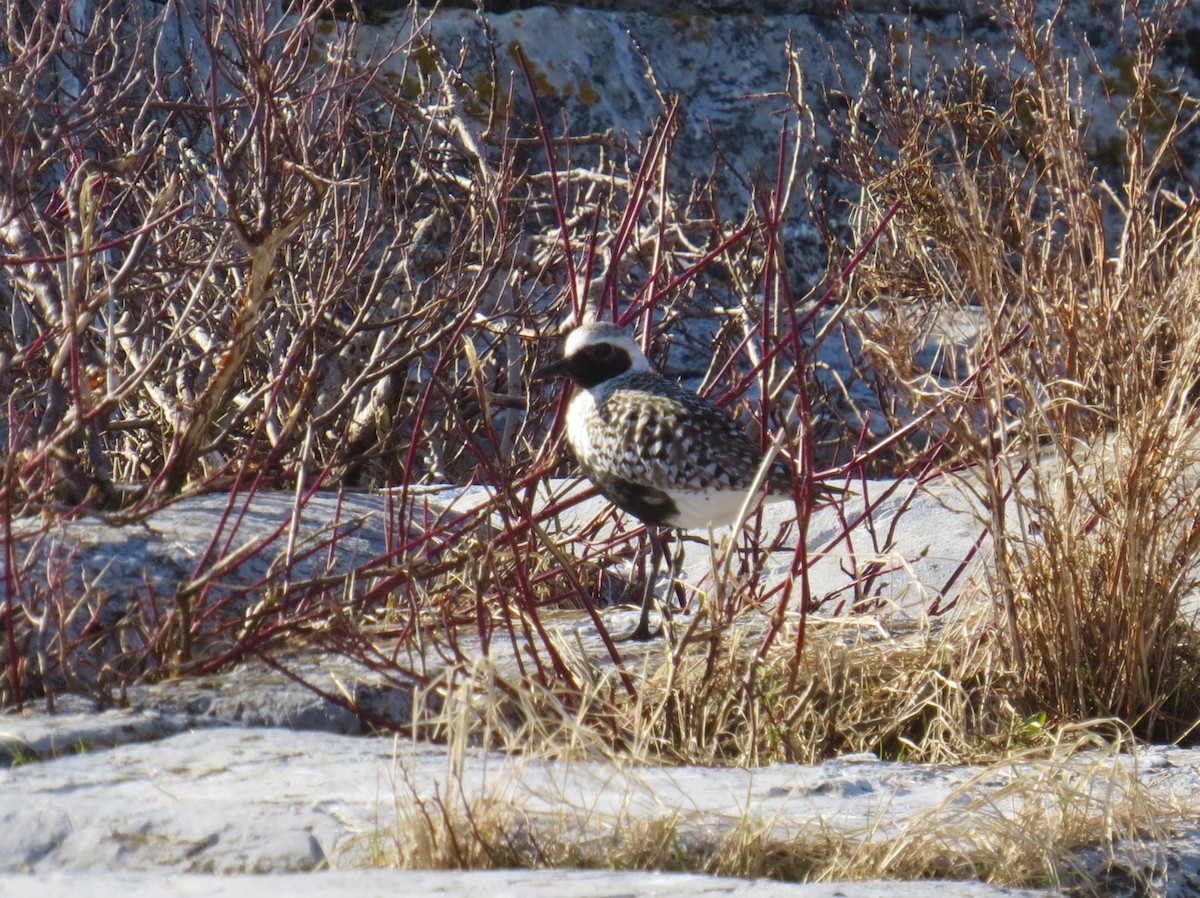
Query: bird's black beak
x=554, y=369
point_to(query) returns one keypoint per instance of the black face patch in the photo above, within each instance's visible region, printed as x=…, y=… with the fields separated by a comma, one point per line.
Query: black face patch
x=598, y=362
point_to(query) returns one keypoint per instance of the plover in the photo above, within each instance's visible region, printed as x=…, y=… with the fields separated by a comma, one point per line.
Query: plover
x=666, y=455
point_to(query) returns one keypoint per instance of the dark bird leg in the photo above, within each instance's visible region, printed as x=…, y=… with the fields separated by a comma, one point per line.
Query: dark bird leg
x=675, y=571
x=642, y=632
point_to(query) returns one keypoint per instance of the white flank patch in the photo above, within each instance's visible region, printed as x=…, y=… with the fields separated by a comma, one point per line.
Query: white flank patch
x=699, y=510
x=580, y=410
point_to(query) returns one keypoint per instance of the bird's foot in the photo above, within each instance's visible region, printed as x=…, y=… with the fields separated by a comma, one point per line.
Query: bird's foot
x=641, y=633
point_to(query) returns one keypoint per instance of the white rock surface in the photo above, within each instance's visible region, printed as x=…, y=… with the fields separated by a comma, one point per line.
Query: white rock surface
x=192, y=812
x=494, y=884
x=168, y=798
x=918, y=536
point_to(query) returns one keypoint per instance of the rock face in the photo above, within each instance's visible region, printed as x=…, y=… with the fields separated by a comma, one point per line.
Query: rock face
x=205, y=553
x=608, y=67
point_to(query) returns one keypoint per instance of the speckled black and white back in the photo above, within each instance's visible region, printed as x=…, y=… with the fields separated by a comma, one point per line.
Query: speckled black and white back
x=655, y=449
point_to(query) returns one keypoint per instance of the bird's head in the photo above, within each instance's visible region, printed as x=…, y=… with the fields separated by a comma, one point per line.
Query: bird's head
x=596, y=352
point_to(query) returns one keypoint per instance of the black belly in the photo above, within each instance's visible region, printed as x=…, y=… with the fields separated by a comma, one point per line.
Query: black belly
x=648, y=505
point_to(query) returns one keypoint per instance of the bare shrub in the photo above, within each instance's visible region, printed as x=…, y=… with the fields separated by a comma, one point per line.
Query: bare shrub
x=237, y=253
x=243, y=258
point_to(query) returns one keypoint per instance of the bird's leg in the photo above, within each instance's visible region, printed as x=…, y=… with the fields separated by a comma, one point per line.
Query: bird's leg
x=642, y=632
x=675, y=570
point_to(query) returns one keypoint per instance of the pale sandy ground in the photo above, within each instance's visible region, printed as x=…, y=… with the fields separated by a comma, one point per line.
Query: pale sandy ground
x=198, y=785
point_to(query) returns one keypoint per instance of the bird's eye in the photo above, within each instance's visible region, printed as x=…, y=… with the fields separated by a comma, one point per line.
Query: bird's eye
x=603, y=351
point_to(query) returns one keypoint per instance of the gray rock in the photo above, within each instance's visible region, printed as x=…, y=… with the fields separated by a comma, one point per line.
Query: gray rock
x=728, y=63
x=233, y=801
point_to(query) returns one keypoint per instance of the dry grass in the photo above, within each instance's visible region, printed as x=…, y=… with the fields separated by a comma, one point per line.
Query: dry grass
x=1028, y=819
x=1106, y=619
x=1073, y=412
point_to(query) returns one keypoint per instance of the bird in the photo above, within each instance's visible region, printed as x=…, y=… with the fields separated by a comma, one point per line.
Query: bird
x=653, y=448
